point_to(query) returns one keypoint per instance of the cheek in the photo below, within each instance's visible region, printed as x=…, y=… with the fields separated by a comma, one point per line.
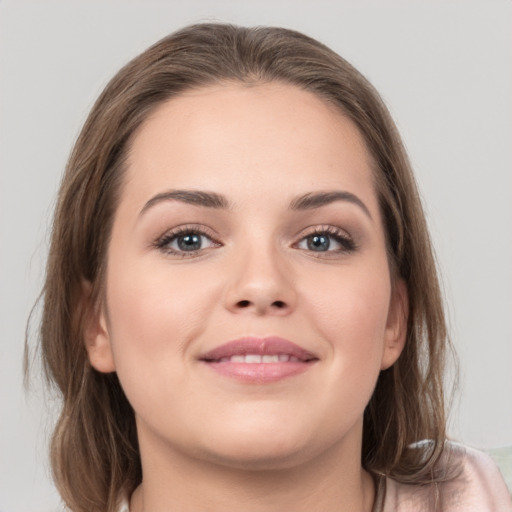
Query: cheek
x=351, y=314
x=153, y=315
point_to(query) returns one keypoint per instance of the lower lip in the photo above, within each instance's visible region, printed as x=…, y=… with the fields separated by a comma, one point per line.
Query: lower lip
x=260, y=372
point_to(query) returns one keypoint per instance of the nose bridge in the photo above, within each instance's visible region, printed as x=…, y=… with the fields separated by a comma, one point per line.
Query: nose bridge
x=261, y=280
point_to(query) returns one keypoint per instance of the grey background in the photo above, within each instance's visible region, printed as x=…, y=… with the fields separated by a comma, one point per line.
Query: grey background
x=444, y=68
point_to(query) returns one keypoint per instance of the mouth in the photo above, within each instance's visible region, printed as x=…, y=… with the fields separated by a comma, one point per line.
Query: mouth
x=259, y=359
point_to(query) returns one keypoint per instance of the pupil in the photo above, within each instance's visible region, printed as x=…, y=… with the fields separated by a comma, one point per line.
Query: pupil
x=191, y=242
x=318, y=243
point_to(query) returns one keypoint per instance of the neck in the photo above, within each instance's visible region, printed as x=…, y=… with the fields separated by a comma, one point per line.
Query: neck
x=332, y=481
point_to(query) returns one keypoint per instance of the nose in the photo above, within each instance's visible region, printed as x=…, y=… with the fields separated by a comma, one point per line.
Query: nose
x=261, y=284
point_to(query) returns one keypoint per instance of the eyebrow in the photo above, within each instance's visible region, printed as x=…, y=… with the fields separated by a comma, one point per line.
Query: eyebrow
x=193, y=197
x=309, y=201
x=313, y=200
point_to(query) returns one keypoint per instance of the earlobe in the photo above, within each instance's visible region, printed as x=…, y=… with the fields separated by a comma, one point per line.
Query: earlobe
x=96, y=333
x=396, y=327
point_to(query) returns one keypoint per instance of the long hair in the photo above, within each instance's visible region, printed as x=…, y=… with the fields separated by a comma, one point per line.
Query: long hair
x=94, y=450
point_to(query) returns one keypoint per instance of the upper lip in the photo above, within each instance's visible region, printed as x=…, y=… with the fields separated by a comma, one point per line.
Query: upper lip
x=271, y=345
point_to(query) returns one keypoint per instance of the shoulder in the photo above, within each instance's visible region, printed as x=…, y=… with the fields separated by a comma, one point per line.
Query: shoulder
x=477, y=486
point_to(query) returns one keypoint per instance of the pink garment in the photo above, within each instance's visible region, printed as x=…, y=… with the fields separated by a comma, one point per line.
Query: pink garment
x=478, y=487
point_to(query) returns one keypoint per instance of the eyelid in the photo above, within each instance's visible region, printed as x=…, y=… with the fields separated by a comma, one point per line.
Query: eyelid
x=323, y=228
x=171, y=234
x=343, y=237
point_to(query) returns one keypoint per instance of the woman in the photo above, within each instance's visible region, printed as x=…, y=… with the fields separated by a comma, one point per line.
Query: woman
x=241, y=307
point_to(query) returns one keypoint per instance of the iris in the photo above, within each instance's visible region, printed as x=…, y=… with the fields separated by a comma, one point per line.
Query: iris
x=318, y=243
x=189, y=242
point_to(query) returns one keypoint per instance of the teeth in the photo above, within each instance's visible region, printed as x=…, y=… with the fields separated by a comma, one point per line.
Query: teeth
x=256, y=358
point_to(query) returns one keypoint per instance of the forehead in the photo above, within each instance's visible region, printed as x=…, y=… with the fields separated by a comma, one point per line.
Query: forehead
x=234, y=137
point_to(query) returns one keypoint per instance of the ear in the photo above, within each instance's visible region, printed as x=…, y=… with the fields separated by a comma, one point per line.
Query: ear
x=396, y=326
x=96, y=334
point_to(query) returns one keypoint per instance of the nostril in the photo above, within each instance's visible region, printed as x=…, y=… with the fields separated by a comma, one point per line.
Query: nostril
x=278, y=304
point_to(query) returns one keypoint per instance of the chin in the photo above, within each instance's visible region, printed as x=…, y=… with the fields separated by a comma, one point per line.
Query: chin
x=268, y=447
x=259, y=457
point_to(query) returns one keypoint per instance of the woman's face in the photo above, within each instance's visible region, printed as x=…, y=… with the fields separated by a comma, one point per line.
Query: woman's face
x=248, y=306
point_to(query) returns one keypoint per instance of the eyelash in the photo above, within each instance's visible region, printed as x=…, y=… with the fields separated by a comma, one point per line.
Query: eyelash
x=163, y=242
x=337, y=234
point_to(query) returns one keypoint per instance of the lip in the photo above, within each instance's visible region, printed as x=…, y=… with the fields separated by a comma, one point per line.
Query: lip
x=288, y=359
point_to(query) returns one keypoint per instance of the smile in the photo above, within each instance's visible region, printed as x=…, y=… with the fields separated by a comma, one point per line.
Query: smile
x=259, y=360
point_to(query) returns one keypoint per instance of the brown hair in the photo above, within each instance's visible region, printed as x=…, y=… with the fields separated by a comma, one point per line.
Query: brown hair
x=94, y=451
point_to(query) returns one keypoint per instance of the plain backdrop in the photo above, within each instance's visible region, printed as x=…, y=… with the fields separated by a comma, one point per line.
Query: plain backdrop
x=443, y=67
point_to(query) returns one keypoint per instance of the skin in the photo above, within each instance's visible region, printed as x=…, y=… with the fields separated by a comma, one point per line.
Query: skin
x=207, y=441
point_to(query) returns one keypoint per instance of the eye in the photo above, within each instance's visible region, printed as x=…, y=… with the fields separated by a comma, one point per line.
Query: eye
x=329, y=239
x=186, y=241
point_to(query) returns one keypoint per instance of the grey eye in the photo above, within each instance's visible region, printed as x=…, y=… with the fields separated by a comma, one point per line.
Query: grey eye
x=318, y=242
x=323, y=242
x=189, y=242
x=329, y=240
